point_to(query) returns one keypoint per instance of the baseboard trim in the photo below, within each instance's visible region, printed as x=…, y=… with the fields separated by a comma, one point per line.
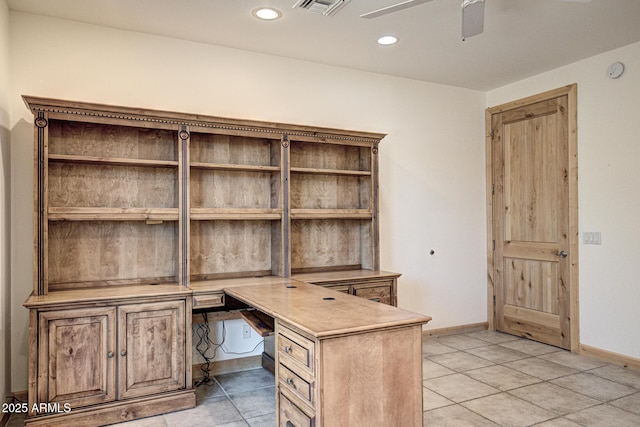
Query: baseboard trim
x=226, y=366
x=453, y=330
x=610, y=357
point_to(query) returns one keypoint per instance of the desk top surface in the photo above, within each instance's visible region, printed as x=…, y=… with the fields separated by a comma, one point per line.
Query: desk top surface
x=82, y=295
x=321, y=312
x=315, y=310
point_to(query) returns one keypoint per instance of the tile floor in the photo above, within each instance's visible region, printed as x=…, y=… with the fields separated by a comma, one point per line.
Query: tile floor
x=492, y=379
x=476, y=379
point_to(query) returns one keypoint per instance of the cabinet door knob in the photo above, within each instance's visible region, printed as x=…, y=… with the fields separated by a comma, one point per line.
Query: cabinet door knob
x=110, y=354
x=123, y=353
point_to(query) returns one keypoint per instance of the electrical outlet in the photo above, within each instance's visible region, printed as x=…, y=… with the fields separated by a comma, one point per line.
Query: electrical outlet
x=246, y=332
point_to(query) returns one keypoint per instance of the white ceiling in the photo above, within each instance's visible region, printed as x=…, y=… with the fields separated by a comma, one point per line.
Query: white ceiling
x=521, y=37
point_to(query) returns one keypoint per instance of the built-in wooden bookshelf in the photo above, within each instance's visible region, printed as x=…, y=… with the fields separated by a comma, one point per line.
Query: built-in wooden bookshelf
x=130, y=196
x=235, y=213
x=109, y=196
x=333, y=191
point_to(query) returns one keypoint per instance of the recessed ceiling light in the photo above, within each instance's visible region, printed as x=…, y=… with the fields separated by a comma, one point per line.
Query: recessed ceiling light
x=387, y=40
x=266, y=13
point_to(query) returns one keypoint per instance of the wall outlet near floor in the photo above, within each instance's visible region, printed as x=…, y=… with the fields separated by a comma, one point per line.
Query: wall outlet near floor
x=592, y=238
x=246, y=332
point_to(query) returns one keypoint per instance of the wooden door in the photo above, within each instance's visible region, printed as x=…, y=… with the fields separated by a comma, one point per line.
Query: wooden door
x=151, y=348
x=76, y=363
x=535, y=219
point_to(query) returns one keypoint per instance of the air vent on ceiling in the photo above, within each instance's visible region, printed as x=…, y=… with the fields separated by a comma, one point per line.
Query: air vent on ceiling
x=325, y=7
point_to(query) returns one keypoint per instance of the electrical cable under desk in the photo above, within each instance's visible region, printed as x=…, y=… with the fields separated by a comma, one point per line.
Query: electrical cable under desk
x=204, y=345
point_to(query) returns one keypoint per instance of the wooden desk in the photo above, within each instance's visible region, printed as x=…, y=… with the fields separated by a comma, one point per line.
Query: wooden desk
x=341, y=360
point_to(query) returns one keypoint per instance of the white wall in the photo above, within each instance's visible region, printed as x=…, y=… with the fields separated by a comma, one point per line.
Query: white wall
x=609, y=194
x=432, y=162
x=5, y=192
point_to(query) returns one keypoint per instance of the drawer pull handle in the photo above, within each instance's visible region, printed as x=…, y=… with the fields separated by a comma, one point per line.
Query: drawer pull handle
x=123, y=353
x=287, y=349
x=110, y=354
x=375, y=299
x=290, y=383
x=289, y=424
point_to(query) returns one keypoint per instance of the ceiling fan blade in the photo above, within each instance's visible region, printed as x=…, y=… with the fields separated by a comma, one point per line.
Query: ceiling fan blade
x=472, y=18
x=393, y=8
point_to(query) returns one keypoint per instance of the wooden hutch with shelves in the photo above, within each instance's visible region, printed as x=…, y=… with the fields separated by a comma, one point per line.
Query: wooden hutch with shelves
x=142, y=216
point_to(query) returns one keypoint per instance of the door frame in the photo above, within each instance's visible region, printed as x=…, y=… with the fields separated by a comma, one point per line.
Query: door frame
x=571, y=91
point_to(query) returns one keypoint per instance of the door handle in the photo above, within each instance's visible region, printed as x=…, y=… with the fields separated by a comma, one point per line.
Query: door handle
x=562, y=254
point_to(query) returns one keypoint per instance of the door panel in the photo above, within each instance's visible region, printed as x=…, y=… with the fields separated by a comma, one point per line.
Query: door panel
x=521, y=274
x=151, y=348
x=531, y=196
x=531, y=220
x=76, y=363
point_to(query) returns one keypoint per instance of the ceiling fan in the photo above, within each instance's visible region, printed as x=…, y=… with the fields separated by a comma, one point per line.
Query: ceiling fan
x=472, y=13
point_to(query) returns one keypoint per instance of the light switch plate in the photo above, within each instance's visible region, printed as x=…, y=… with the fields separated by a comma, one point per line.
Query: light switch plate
x=592, y=238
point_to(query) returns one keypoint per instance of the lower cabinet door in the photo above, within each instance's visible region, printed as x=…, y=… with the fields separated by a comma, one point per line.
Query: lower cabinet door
x=151, y=348
x=76, y=356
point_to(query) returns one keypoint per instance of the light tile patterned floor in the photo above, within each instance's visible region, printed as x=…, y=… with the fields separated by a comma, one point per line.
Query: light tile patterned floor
x=493, y=379
x=477, y=379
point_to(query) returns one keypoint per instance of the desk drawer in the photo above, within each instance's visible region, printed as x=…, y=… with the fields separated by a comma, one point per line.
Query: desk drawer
x=295, y=351
x=292, y=416
x=295, y=384
x=208, y=300
x=378, y=291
